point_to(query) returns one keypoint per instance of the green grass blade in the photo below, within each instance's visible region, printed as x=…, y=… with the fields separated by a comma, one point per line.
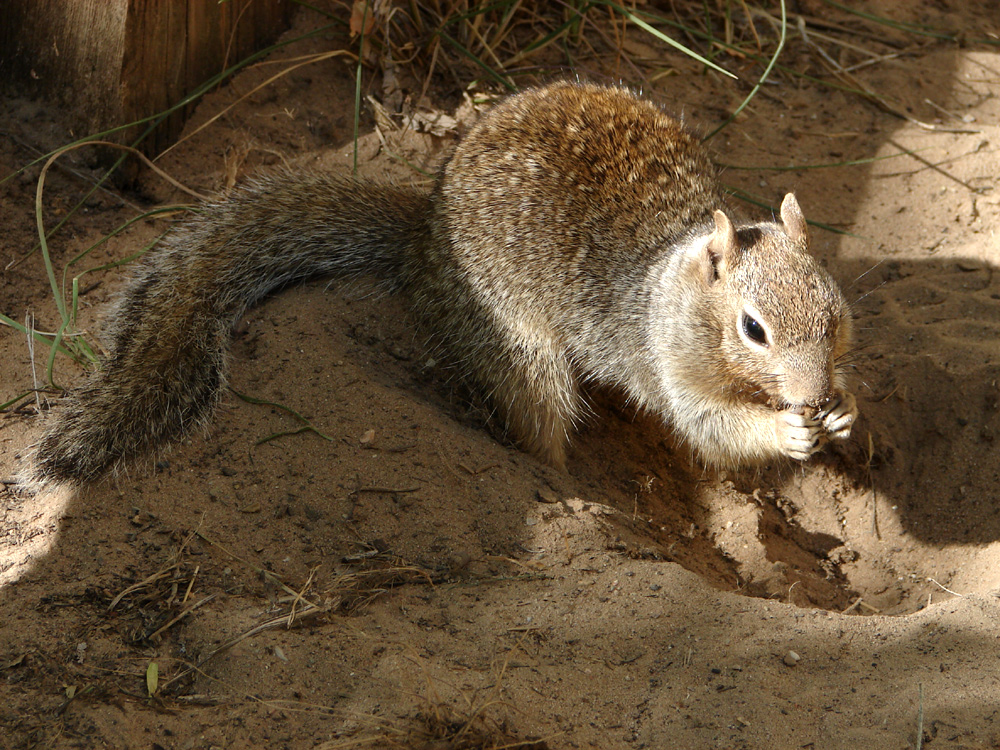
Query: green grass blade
x=357, y=89
x=47, y=259
x=52, y=355
x=191, y=98
x=909, y=28
x=288, y=433
x=763, y=77
x=502, y=80
x=121, y=228
x=806, y=167
x=40, y=337
x=307, y=425
x=8, y=404
x=629, y=15
x=755, y=201
x=552, y=35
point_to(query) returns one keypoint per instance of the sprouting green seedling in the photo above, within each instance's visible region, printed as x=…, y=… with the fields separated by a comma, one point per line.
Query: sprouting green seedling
x=152, y=678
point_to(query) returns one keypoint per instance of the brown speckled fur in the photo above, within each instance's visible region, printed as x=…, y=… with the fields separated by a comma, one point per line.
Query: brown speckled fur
x=574, y=234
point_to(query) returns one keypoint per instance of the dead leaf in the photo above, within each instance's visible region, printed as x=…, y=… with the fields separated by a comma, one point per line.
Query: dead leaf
x=362, y=18
x=435, y=123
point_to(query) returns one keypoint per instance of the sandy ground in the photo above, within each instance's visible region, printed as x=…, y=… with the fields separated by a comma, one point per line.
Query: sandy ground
x=420, y=579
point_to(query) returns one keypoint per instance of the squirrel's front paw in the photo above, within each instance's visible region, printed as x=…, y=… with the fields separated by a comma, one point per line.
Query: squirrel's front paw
x=799, y=435
x=838, y=416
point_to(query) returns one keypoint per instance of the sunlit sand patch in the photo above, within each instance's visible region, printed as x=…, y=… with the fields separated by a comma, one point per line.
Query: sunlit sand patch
x=29, y=528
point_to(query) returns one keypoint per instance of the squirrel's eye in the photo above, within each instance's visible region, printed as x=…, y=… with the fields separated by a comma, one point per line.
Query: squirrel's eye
x=754, y=330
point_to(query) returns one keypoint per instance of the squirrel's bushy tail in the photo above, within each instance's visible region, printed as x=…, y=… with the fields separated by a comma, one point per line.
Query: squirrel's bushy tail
x=166, y=368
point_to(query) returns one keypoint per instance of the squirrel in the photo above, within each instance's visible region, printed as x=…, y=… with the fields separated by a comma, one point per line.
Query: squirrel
x=576, y=233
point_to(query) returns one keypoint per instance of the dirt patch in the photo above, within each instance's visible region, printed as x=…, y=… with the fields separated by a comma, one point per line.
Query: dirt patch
x=414, y=579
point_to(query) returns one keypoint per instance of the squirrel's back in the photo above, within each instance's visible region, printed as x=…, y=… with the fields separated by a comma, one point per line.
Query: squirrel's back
x=555, y=206
x=544, y=254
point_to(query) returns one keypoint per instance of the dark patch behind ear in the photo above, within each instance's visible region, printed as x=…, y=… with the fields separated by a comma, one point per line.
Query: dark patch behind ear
x=749, y=236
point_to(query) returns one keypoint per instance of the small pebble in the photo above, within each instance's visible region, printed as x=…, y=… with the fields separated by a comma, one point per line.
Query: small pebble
x=547, y=496
x=791, y=659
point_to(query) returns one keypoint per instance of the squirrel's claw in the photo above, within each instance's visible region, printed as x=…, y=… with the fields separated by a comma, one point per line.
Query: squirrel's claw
x=802, y=435
x=799, y=436
x=839, y=416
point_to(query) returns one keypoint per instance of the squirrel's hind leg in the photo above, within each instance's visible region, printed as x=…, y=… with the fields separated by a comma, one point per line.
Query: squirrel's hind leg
x=532, y=386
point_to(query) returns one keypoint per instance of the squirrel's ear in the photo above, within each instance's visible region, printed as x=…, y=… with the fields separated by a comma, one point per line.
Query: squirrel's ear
x=795, y=223
x=720, y=247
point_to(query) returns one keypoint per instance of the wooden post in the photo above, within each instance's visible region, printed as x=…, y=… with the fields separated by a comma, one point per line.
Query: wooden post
x=111, y=62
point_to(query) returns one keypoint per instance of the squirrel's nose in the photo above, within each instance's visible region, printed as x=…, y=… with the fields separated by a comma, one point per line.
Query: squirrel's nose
x=808, y=380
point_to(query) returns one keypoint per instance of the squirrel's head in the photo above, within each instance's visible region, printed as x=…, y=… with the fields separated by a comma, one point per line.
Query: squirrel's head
x=782, y=319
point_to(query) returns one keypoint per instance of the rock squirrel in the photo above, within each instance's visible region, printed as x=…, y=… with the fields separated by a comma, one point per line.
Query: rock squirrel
x=577, y=233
